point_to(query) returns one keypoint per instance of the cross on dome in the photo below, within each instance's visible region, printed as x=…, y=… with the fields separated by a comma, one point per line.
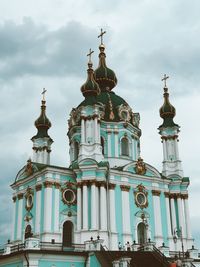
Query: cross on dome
x=43, y=93
x=90, y=55
x=165, y=79
x=101, y=35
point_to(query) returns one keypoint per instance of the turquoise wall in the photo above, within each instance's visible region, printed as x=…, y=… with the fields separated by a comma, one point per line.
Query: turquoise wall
x=15, y=264
x=66, y=263
x=94, y=262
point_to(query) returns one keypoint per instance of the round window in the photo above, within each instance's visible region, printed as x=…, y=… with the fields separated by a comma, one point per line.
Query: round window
x=29, y=201
x=141, y=198
x=69, y=196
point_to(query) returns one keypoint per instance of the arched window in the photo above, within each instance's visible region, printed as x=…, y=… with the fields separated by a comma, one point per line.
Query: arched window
x=67, y=234
x=76, y=150
x=28, y=232
x=124, y=146
x=102, y=144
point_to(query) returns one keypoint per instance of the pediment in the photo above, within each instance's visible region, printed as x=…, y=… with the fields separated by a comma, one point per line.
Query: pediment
x=150, y=171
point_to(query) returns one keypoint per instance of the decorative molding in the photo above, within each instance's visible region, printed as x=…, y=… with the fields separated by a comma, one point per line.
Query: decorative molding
x=38, y=187
x=85, y=182
x=102, y=183
x=156, y=192
x=125, y=188
x=173, y=137
x=14, y=199
x=141, y=197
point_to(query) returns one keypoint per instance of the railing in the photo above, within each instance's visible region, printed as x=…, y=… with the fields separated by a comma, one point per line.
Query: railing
x=17, y=248
x=1, y=251
x=160, y=256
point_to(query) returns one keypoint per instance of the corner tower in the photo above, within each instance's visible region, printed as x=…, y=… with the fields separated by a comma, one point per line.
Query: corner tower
x=42, y=141
x=169, y=135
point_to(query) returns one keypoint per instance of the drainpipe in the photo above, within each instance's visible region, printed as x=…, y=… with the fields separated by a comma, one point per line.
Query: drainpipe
x=25, y=256
x=108, y=207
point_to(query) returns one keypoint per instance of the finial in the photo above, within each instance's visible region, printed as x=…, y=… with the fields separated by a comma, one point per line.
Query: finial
x=165, y=79
x=101, y=35
x=43, y=93
x=90, y=55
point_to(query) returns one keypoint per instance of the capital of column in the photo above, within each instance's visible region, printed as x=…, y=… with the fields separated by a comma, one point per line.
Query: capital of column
x=102, y=184
x=57, y=185
x=38, y=187
x=156, y=192
x=109, y=131
x=167, y=194
x=14, y=199
x=20, y=196
x=85, y=183
x=48, y=184
x=184, y=196
x=111, y=186
x=125, y=188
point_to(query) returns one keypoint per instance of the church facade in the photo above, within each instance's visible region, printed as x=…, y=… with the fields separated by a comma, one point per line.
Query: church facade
x=108, y=191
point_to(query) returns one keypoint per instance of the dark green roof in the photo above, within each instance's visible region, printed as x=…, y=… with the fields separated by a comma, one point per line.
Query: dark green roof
x=111, y=102
x=42, y=123
x=105, y=77
x=90, y=87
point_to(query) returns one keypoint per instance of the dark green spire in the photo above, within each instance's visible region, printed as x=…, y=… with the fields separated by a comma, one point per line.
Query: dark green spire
x=42, y=123
x=167, y=111
x=90, y=87
x=105, y=77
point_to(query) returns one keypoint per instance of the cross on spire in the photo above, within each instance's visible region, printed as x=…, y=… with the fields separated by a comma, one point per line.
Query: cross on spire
x=165, y=79
x=43, y=93
x=90, y=54
x=101, y=35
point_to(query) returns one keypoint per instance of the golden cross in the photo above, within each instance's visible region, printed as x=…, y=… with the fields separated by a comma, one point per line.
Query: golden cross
x=101, y=35
x=165, y=79
x=90, y=54
x=43, y=93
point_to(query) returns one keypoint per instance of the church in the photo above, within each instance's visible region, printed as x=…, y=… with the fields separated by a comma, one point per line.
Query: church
x=108, y=198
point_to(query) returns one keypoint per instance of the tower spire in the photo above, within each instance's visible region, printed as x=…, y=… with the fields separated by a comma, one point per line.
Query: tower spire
x=42, y=141
x=90, y=87
x=104, y=76
x=169, y=135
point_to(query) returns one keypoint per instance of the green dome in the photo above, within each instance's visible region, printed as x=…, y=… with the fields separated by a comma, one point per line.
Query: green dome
x=167, y=111
x=105, y=77
x=90, y=87
x=111, y=102
x=42, y=123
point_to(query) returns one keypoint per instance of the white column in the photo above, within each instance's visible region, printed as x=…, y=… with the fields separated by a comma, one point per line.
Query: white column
x=109, y=142
x=176, y=149
x=112, y=207
x=96, y=134
x=187, y=217
x=157, y=217
x=56, y=207
x=79, y=207
x=93, y=206
x=173, y=214
x=116, y=143
x=14, y=218
x=38, y=189
x=47, y=206
x=180, y=215
x=103, y=207
x=98, y=207
x=85, y=206
x=164, y=150
x=82, y=131
x=20, y=216
x=169, y=228
x=125, y=209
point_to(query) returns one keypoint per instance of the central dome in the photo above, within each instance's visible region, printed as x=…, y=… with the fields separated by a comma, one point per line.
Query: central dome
x=111, y=102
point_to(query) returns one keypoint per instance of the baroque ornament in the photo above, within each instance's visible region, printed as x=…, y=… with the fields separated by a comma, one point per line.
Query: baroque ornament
x=124, y=112
x=140, y=167
x=141, y=194
x=69, y=193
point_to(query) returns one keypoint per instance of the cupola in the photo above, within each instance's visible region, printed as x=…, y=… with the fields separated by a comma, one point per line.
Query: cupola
x=104, y=76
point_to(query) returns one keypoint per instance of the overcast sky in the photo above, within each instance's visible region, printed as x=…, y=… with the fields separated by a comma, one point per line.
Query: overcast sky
x=43, y=43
